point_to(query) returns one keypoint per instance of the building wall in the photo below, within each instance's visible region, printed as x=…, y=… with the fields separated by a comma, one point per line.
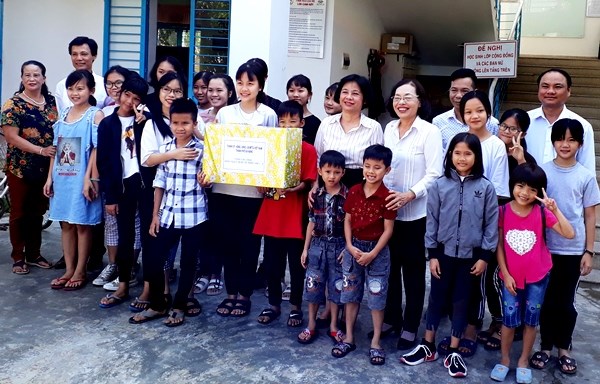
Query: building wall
x=46, y=38
x=588, y=46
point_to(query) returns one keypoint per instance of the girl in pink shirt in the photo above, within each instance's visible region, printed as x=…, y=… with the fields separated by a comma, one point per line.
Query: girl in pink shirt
x=525, y=261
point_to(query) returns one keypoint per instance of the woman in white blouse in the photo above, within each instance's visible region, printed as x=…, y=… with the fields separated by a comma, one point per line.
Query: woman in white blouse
x=350, y=131
x=417, y=161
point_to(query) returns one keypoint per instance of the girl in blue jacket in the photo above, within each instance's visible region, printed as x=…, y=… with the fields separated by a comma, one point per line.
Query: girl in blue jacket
x=461, y=236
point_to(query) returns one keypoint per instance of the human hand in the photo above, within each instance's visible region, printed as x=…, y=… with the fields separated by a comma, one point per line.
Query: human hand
x=311, y=198
x=139, y=113
x=304, y=258
x=184, y=153
x=547, y=201
x=478, y=268
x=154, y=226
x=340, y=258
x=396, y=200
x=90, y=189
x=365, y=258
x=203, y=180
x=516, y=151
x=509, y=283
x=48, y=190
x=585, y=266
x=48, y=151
x=112, y=209
x=434, y=268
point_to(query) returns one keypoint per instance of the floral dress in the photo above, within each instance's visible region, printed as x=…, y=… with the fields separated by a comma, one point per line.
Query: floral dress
x=35, y=126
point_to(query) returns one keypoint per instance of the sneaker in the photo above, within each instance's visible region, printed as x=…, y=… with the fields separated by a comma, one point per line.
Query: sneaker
x=107, y=275
x=114, y=285
x=419, y=355
x=456, y=365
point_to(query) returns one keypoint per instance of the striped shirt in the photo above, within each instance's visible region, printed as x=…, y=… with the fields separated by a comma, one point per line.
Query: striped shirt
x=183, y=204
x=351, y=144
x=449, y=126
x=416, y=163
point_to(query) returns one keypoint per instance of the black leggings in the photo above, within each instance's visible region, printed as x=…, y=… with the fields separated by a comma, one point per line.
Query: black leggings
x=275, y=253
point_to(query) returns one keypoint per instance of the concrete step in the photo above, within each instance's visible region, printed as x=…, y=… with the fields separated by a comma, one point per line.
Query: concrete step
x=568, y=62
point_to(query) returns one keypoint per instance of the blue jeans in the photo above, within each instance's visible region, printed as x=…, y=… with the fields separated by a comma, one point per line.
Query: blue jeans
x=527, y=303
x=324, y=270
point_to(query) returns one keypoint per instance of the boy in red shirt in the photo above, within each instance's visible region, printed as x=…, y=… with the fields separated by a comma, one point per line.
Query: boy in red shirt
x=367, y=228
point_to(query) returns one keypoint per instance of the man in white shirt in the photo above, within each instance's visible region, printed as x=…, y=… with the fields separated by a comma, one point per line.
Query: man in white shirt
x=554, y=89
x=450, y=123
x=83, y=51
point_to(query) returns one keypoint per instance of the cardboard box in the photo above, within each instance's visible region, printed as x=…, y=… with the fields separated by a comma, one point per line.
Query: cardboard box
x=249, y=155
x=397, y=43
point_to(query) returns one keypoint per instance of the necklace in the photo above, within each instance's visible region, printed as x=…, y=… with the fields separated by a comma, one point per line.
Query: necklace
x=32, y=101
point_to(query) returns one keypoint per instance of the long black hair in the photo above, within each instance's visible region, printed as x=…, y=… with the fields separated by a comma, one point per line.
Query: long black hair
x=473, y=144
x=42, y=67
x=155, y=106
x=83, y=74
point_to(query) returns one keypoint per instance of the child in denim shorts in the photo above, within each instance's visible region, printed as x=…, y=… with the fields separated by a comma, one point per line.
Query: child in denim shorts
x=324, y=245
x=367, y=229
x=525, y=261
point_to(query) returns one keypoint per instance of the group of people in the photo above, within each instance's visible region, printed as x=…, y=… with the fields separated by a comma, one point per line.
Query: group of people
x=504, y=210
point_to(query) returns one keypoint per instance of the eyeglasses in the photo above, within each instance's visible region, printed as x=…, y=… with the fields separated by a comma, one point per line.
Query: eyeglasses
x=504, y=127
x=176, y=92
x=408, y=98
x=456, y=91
x=115, y=84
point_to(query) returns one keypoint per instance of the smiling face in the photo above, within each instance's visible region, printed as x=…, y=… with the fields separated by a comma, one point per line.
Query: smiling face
x=128, y=101
x=330, y=106
x=374, y=170
x=351, y=98
x=508, y=130
x=299, y=94
x=247, y=89
x=81, y=57
x=524, y=194
x=566, y=149
x=217, y=93
x=169, y=92
x=114, y=82
x=458, y=88
x=553, y=91
x=291, y=121
x=32, y=78
x=200, y=92
x=79, y=93
x=163, y=68
x=463, y=159
x=475, y=115
x=406, y=102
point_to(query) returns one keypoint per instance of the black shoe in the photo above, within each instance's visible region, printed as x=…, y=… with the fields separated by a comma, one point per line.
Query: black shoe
x=404, y=344
x=60, y=264
x=384, y=334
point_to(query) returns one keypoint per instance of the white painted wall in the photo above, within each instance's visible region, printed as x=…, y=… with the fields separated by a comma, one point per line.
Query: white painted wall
x=587, y=46
x=45, y=37
x=259, y=28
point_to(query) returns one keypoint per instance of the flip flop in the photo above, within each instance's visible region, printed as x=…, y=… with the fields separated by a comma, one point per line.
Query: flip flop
x=79, y=284
x=58, y=283
x=40, y=262
x=192, y=304
x=310, y=336
x=138, y=305
x=524, y=376
x=115, y=300
x=499, y=372
x=469, y=345
x=341, y=349
x=22, y=268
x=175, y=315
x=539, y=360
x=148, y=315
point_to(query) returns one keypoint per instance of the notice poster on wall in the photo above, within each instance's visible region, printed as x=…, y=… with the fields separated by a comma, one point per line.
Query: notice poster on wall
x=492, y=59
x=307, y=28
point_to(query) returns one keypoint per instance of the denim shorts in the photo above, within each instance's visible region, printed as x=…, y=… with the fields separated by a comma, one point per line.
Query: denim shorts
x=324, y=270
x=376, y=275
x=527, y=303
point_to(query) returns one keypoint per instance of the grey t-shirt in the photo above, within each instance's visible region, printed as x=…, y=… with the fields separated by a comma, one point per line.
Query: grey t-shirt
x=574, y=189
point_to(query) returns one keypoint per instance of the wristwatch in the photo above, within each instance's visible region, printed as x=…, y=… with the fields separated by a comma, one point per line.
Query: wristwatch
x=591, y=253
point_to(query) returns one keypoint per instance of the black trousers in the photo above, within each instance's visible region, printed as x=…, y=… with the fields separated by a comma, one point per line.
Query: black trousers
x=407, y=265
x=276, y=252
x=128, y=204
x=210, y=260
x=233, y=221
x=558, y=315
x=352, y=177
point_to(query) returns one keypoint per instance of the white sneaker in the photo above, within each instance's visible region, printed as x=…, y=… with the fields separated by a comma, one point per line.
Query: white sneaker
x=114, y=285
x=107, y=275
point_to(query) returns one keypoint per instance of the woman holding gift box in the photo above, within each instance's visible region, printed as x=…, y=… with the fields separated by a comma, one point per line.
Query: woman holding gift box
x=237, y=206
x=350, y=132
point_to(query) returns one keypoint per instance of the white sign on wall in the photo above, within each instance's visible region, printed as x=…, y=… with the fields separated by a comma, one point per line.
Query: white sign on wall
x=307, y=28
x=492, y=59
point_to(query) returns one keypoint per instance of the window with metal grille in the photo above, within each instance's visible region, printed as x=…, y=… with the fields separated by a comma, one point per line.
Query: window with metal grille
x=211, y=35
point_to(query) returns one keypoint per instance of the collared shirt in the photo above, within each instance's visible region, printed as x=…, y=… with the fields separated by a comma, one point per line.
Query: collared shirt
x=416, y=163
x=351, y=144
x=367, y=214
x=62, y=99
x=184, y=203
x=540, y=146
x=328, y=213
x=450, y=125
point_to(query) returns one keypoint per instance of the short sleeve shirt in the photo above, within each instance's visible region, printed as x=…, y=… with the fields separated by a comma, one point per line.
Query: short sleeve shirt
x=367, y=214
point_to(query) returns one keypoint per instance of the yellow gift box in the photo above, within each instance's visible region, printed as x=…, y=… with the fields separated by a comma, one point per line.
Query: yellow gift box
x=250, y=155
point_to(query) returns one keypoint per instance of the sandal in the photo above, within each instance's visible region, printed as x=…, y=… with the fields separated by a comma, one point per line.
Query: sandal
x=215, y=287
x=112, y=301
x=287, y=293
x=40, y=262
x=269, y=315
x=145, y=316
x=20, y=268
x=243, y=308
x=200, y=285
x=138, y=305
x=175, y=319
x=499, y=372
x=568, y=362
x=58, y=283
x=443, y=346
x=341, y=349
x=376, y=356
x=493, y=344
x=75, y=284
x=226, y=307
x=539, y=360
x=307, y=336
x=467, y=348
x=524, y=376
x=295, y=319
x=337, y=336
x=193, y=307
x=483, y=336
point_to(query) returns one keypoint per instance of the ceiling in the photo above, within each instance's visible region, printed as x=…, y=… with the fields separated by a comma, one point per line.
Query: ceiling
x=439, y=27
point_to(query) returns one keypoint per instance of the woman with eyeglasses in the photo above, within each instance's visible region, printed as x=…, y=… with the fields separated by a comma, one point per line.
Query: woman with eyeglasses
x=416, y=162
x=512, y=130
x=113, y=80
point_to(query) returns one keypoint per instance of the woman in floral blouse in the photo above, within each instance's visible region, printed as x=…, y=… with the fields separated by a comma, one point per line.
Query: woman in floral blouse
x=27, y=120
